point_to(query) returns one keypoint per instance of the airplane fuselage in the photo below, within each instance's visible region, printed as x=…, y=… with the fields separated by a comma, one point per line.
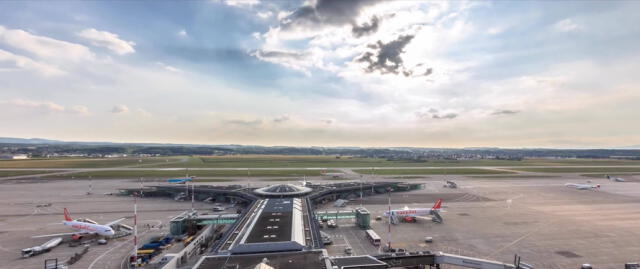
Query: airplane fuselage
x=89, y=228
x=412, y=212
x=582, y=186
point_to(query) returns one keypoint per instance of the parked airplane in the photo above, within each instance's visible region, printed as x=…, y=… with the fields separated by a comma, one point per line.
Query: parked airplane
x=616, y=179
x=84, y=227
x=583, y=186
x=410, y=214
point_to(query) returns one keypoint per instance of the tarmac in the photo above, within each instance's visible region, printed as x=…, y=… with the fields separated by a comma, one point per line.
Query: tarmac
x=20, y=219
x=548, y=224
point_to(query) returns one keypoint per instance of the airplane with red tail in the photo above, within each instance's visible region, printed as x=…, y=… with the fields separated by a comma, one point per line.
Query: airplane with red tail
x=410, y=214
x=84, y=227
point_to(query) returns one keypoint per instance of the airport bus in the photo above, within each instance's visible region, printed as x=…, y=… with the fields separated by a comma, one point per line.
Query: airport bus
x=373, y=237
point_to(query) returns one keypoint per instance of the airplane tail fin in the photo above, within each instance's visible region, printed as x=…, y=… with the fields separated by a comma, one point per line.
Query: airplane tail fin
x=437, y=205
x=66, y=215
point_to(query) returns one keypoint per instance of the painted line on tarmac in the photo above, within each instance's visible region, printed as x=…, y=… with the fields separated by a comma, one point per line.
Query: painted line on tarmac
x=111, y=249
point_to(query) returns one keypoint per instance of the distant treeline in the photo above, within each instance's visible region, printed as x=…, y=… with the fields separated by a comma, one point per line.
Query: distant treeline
x=404, y=153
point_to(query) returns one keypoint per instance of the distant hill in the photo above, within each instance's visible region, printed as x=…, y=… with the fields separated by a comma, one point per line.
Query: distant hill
x=248, y=149
x=13, y=140
x=630, y=147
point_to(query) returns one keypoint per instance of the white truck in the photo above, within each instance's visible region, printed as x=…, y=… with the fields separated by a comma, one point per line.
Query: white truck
x=32, y=251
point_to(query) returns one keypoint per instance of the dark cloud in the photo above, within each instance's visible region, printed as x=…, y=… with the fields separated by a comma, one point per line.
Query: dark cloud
x=248, y=123
x=387, y=58
x=281, y=118
x=366, y=28
x=279, y=54
x=444, y=116
x=326, y=12
x=434, y=114
x=327, y=121
x=505, y=112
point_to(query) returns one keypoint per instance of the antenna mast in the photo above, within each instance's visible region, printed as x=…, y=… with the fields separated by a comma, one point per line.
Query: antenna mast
x=135, y=230
x=390, y=218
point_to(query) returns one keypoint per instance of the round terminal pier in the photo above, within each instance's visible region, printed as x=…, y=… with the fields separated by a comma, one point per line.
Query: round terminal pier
x=283, y=190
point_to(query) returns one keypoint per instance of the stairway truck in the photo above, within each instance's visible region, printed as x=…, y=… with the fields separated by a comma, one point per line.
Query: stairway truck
x=47, y=246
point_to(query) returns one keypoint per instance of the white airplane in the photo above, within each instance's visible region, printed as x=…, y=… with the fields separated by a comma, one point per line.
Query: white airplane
x=616, y=179
x=411, y=213
x=84, y=227
x=583, y=186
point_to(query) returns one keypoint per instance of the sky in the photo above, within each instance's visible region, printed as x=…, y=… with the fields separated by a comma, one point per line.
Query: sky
x=556, y=74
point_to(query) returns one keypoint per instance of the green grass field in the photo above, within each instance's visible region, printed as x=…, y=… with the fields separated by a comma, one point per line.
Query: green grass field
x=86, y=162
x=278, y=161
x=287, y=161
x=578, y=169
x=436, y=171
x=23, y=173
x=196, y=173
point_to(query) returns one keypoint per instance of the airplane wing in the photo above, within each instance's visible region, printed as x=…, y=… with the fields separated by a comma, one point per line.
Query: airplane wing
x=53, y=235
x=114, y=222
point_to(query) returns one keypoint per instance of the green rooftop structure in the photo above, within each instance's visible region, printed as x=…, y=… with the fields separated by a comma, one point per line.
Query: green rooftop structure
x=363, y=218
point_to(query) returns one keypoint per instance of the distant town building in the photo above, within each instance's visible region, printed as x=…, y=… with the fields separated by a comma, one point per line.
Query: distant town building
x=14, y=156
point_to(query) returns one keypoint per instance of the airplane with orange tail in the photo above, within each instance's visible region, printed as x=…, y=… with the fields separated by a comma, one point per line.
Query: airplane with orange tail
x=410, y=214
x=84, y=227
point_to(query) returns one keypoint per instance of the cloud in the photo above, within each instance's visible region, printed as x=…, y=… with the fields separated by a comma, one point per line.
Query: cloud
x=495, y=30
x=183, y=33
x=79, y=109
x=46, y=106
x=387, y=58
x=265, y=14
x=10, y=61
x=143, y=113
x=445, y=116
x=366, y=28
x=435, y=114
x=291, y=59
x=44, y=47
x=278, y=54
x=281, y=118
x=325, y=12
x=119, y=109
x=328, y=121
x=246, y=123
x=168, y=67
x=242, y=3
x=567, y=25
x=107, y=40
x=505, y=112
